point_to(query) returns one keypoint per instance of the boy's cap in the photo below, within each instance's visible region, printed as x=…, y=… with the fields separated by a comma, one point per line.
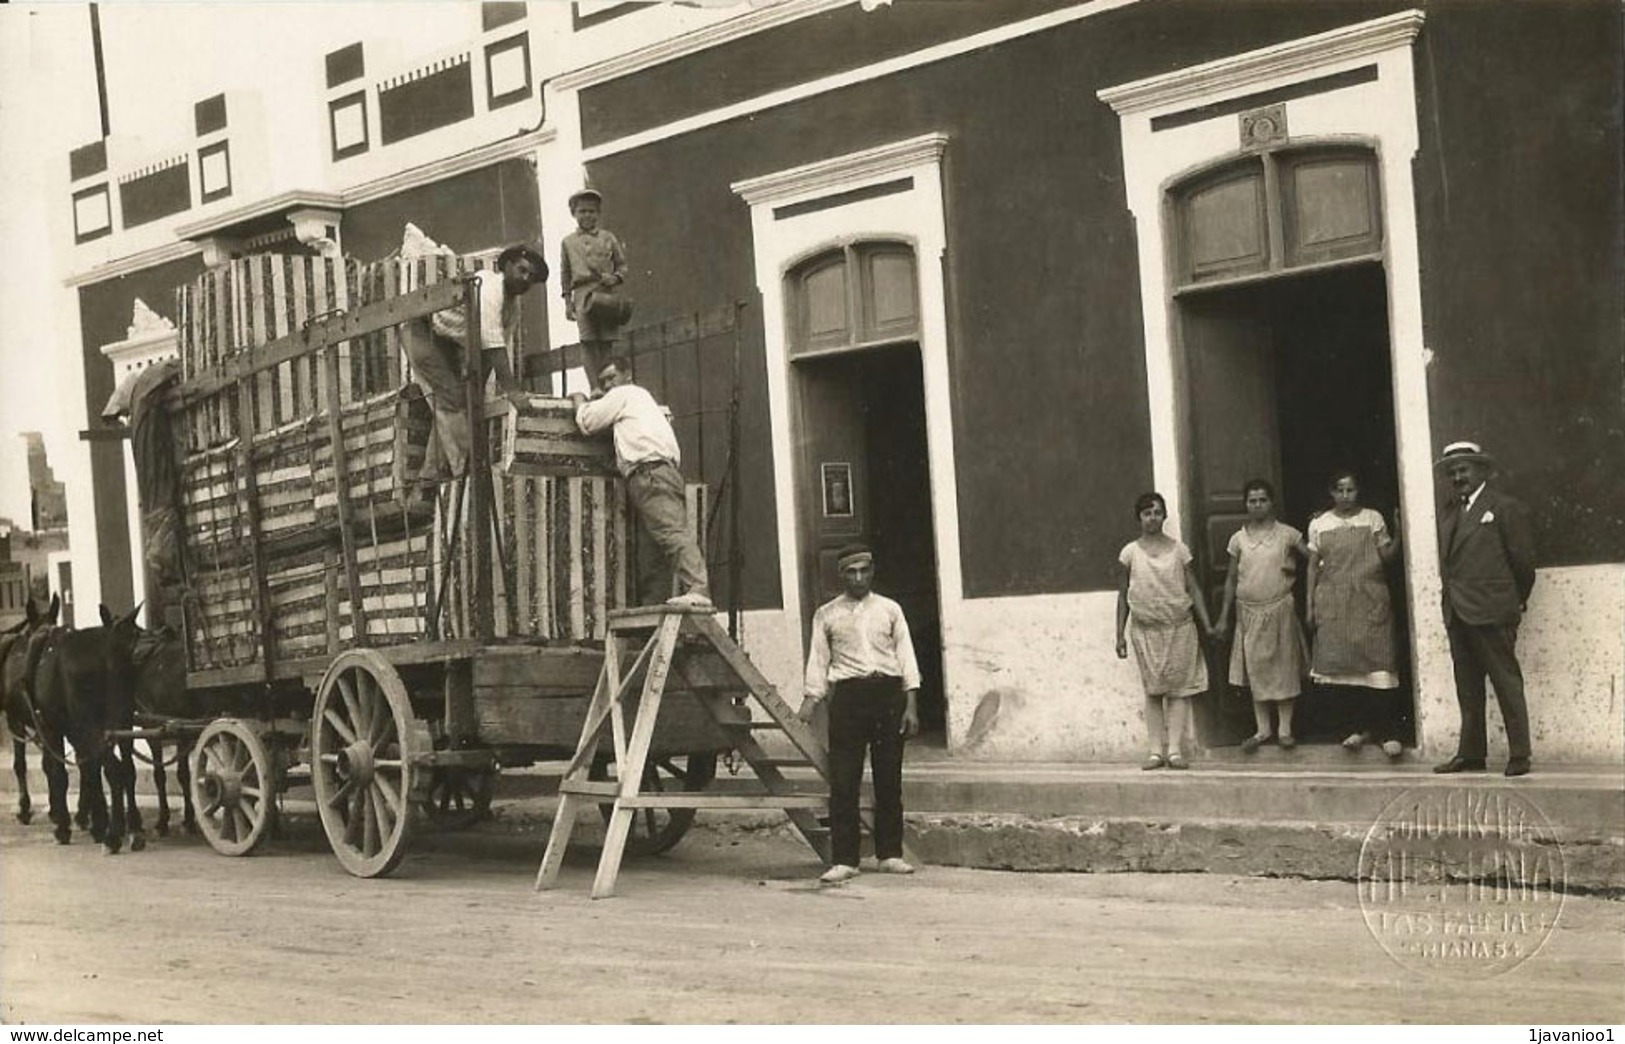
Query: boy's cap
x=586, y=194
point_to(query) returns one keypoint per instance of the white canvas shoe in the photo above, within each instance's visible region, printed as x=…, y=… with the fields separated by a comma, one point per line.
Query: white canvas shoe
x=894, y=865
x=691, y=600
x=838, y=873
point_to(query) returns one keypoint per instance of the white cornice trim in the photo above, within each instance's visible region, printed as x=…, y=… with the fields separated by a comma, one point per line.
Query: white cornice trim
x=428, y=173
x=753, y=21
x=483, y=156
x=124, y=266
x=146, y=347
x=294, y=199
x=842, y=171
x=1283, y=61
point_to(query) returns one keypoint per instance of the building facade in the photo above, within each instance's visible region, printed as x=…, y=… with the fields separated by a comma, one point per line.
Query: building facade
x=1003, y=267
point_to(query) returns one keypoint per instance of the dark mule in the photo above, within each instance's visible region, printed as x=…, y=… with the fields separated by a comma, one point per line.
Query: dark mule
x=13, y=663
x=82, y=685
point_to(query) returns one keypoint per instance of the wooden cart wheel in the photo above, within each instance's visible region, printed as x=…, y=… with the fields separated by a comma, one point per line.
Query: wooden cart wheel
x=233, y=786
x=365, y=745
x=459, y=797
x=656, y=830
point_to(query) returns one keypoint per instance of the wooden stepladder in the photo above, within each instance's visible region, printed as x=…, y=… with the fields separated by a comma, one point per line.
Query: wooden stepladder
x=670, y=634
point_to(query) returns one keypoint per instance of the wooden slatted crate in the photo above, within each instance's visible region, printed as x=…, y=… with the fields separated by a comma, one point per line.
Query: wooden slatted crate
x=222, y=629
x=394, y=581
x=304, y=596
x=540, y=437
x=211, y=508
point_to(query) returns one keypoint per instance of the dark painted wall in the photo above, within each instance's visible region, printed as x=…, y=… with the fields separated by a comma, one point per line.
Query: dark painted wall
x=807, y=49
x=1519, y=196
x=104, y=317
x=1051, y=426
x=493, y=206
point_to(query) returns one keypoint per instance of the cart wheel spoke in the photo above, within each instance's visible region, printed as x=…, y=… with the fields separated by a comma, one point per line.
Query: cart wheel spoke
x=346, y=733
x=656, y=830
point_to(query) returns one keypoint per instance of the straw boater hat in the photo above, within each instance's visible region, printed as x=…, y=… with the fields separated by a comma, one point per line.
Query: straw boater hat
x=586, y=193
x=1468, y=451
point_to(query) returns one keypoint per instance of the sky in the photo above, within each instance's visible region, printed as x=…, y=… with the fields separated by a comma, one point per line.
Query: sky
x=44, y=105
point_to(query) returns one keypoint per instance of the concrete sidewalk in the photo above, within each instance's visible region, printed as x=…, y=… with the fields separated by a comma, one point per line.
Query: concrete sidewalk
x=1303, y=813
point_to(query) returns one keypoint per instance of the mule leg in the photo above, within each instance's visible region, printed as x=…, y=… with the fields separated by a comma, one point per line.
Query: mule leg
x=183, y=774
x=108, y=768
x=132, y=815
x=56, y=787
x=84, y=814
x=160, y=783
x=19, y=765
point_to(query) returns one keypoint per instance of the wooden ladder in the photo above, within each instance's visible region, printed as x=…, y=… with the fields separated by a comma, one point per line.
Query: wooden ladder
x=662, y=628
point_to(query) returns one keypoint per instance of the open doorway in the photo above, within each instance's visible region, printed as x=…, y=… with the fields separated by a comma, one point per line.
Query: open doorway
x=863, y=477
x=1289, y=379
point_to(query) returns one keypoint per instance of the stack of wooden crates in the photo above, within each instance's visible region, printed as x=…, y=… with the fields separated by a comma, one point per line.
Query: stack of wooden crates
x=561, y=555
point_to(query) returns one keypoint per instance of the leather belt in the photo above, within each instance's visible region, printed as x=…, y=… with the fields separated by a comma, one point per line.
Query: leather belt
x=645, y=465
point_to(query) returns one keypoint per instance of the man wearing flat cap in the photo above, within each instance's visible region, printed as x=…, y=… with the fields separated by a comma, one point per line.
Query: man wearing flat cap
x=862, y=661
x=1486, y=560
x=436, y=353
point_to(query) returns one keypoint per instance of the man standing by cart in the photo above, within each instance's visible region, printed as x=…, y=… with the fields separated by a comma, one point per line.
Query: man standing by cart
x=862, y=660
x=647, y=455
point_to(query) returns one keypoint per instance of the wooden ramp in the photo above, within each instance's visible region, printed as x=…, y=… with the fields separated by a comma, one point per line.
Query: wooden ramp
x=676, y=638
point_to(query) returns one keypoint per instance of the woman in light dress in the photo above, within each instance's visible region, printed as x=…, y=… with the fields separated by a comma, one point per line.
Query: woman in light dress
x=1159, y=605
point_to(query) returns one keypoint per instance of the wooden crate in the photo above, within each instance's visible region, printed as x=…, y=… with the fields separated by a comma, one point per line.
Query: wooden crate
x=222, y=629
x=541, y=438
x=245, y=303
x=385, y=439
x=304, y=596
x=395, y=585
x=211, y=508
x=284, y=462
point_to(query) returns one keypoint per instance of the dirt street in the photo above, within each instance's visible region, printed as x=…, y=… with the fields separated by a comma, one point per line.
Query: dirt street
x=728, y=927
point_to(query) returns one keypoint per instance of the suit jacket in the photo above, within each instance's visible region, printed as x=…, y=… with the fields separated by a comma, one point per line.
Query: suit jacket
x=1486, y=559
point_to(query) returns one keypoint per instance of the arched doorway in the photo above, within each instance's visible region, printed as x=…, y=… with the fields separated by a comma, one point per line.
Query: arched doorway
x=1280, y=304
x=859, y=427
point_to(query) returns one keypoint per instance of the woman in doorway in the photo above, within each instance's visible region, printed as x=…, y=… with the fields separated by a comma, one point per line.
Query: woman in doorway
x=1349, y=612
x=1160, y=595
x=1269, y=656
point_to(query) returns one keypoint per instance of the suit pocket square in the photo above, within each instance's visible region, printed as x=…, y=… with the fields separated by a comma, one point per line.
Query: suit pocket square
x=1489, y=516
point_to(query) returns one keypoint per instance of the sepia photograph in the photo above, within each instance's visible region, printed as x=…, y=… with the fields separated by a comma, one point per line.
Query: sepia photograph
x=1069, y=514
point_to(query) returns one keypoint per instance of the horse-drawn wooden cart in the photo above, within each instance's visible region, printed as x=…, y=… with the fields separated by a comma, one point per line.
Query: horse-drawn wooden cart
x=395, y=641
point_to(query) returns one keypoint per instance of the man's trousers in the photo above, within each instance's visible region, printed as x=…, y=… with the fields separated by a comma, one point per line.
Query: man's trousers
x=1486, y=650
x=866, y=716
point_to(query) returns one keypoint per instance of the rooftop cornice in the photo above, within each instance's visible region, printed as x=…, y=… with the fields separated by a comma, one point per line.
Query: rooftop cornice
x=282, y=202
x=842, y=171
x=1240, y=72
x=692, y=42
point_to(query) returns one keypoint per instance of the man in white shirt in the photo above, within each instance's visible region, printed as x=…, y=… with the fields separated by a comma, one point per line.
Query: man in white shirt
x=436, y=348
x=647, y=455
x=862, y=660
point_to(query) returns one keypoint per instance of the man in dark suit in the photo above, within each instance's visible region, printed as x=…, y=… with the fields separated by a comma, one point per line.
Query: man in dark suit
x=1486, y=559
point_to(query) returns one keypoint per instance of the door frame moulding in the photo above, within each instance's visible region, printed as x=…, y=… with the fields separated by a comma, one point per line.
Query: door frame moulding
x=915, y=216
x=1381, y=110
